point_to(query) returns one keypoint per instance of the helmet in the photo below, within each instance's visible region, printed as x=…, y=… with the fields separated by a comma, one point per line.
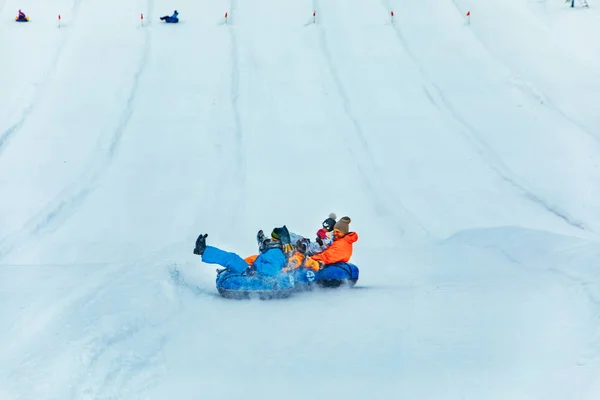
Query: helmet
x=302, y=245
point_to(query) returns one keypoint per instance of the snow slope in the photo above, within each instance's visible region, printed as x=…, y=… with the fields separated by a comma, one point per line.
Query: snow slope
x=466, y=156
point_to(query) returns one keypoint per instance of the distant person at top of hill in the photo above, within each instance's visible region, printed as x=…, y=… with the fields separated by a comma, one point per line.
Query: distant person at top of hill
x=172, y=18
x=21, y=16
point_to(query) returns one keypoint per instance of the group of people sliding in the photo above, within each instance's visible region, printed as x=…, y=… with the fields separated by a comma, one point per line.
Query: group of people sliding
x=284, y=251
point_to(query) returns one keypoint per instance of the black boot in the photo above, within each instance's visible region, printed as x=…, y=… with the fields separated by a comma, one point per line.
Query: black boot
x=200, y=244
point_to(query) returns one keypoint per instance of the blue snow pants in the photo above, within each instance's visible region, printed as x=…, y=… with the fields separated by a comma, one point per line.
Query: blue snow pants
x=212, y=255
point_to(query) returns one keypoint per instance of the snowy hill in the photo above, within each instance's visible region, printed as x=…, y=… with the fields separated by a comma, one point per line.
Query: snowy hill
x=464, y=150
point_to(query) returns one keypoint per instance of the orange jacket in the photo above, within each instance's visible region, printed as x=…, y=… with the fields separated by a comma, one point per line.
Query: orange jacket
x=296, y=261
x=339, y=251
x=293, y=262
x=250, y=259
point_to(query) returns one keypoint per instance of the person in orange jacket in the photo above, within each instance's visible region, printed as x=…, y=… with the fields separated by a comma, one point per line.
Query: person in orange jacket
x=339, y=251
x=341, y=248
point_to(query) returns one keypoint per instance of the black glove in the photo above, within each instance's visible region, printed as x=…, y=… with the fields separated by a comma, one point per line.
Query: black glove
x=200, y=244
x=260, y=236
x=319, y=240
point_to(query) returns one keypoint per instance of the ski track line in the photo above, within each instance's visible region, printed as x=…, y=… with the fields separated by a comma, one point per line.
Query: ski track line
x=472, y=135
x=228, y=136
x=82, y=295
x=589, y=289
x=71, y=197
x=235, y=107
x=528, y=89
x=225, y=198
x=12, y=130
x=123, y=365
x=179, y=280
x=367, y=168
x=123, y=368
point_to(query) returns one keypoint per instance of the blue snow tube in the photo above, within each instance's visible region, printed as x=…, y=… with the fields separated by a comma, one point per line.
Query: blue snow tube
x=338, y=274
x=304, y=279
x=171, y=20
x=234, y=285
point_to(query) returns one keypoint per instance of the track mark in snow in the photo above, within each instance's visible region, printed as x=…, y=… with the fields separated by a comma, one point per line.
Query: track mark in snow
x=529, y=89
x=487, y=154
x=178, y=279
x=368, y=169
x=71, y=197
x=41, y=91
x=588, y=287
x=233, y=202
x=37, y=320
x=116, y=363
x=235, y=94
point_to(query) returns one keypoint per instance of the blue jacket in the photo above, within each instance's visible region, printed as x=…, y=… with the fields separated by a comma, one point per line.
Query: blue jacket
x=175, y=15
x=270, y=262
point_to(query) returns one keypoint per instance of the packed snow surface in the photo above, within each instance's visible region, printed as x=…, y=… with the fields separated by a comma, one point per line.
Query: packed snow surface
x=464, y=149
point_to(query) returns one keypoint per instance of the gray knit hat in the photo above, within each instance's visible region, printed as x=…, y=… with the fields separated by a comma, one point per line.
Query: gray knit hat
x=343, y=225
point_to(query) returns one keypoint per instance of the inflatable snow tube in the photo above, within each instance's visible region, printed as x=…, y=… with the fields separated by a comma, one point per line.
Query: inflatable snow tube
x=304, y=279
x=171, y=20
x=338, y=274
x=22, y=20
x=234, y=285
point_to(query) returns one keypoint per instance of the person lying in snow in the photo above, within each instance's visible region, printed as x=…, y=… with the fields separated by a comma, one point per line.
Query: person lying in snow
x=270, y=261
x=172, y=18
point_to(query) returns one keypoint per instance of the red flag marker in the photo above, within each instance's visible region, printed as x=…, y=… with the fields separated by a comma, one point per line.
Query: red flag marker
x=392, y=16
x=314, y=17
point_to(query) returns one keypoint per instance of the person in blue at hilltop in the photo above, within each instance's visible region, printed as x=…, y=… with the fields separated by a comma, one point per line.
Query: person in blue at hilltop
x=21, y=16
x=172, y=18
x=270, y=261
